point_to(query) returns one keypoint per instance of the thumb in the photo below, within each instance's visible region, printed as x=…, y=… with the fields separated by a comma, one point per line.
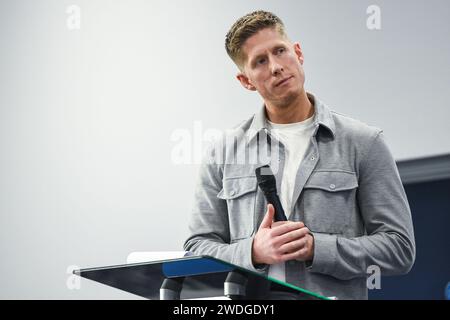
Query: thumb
x=268, y=218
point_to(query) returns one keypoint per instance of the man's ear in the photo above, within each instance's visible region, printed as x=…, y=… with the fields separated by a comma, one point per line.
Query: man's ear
x=299, y=52
x=245, y=81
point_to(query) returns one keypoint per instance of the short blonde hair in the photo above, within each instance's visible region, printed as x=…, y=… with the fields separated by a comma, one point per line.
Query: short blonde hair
x=247, y=26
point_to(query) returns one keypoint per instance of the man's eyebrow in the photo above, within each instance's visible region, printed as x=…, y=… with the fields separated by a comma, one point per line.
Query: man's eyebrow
x=280, y=45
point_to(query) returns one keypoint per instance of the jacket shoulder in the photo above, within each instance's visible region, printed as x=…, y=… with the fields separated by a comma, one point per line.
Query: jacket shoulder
x=354, y=129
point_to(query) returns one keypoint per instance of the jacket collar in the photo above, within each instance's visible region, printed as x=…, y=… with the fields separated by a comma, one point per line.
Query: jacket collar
x=322, y=118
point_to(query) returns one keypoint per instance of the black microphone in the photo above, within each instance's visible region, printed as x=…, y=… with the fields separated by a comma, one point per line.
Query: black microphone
x=267, y=183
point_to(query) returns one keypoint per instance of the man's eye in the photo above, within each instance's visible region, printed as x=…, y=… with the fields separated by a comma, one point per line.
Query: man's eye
x=281, y=50
x=261, y=61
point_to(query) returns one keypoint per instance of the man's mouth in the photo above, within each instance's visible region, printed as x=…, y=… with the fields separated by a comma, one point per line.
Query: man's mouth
x=282, y=81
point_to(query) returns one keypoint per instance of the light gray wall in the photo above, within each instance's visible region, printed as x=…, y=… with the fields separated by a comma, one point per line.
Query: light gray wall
x=87, y=116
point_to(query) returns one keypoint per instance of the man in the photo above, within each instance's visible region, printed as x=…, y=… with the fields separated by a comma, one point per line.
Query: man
x=338, y=182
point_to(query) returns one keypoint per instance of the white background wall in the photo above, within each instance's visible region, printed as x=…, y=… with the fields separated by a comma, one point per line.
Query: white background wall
x=86, y=116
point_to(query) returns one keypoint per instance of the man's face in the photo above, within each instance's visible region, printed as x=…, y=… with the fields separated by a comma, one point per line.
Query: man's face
x=273, y=67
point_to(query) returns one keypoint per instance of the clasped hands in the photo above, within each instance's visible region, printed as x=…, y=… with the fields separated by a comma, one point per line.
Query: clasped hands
x=281, y=241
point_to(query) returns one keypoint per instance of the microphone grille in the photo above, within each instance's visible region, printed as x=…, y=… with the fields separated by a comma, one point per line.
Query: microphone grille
x=263, y=172
x=266, y=179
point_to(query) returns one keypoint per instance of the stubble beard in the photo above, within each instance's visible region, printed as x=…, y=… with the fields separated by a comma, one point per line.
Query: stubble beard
x=285, y=102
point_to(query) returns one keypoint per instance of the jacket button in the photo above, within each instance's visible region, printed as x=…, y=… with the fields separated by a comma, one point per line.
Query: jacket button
x=313, y=158
x=232, y=192
x=332, y=186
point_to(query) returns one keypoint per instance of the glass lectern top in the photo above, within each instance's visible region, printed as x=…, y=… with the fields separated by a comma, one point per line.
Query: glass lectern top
x=198, y=277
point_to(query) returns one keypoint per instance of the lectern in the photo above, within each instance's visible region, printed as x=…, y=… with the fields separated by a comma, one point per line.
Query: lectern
x=194, y=277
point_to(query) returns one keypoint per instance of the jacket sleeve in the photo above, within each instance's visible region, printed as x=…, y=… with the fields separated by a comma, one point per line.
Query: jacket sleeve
x=389, y=239
x=209, y=230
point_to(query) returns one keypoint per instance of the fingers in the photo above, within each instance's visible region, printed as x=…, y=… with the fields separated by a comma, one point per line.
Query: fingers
x=268, y=218
x=299, y=254
x=286, y=227
x=292, y=246
x=279, y=223
x=302, y=249
x=292, y=235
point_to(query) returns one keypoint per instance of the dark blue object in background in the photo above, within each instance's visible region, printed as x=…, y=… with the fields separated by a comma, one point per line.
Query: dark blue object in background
x=430, y=207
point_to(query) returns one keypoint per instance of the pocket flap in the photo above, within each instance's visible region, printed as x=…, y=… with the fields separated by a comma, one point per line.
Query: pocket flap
x=236, y=187
x=332, y=181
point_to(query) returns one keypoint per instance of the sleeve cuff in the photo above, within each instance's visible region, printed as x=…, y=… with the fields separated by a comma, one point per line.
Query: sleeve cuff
x=243, y=256
x=325, y=250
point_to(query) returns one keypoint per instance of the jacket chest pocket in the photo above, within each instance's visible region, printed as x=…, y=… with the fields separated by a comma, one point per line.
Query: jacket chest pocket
x=329, y=200
x=240, y=194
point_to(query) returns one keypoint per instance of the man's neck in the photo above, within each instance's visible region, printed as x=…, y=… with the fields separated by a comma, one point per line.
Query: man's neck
x=297, y=111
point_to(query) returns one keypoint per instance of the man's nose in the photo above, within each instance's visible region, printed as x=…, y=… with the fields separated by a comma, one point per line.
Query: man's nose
x=276, y=68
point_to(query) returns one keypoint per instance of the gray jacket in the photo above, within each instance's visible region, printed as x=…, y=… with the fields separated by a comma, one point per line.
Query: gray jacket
x=348, y=192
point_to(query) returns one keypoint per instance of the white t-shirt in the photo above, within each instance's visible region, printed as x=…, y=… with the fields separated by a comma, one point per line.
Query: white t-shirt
x=296, y=138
